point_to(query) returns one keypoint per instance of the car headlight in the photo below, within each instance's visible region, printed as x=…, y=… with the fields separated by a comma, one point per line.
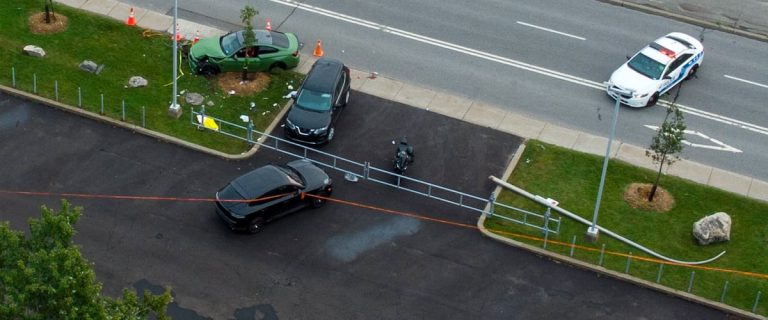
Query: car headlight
x=321, y=130
x=639, y=95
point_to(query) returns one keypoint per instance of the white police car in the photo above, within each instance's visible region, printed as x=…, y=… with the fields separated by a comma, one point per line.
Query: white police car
x=656, y=69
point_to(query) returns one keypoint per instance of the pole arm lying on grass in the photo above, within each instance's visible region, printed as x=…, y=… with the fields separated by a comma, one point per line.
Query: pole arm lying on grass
x=542, y=201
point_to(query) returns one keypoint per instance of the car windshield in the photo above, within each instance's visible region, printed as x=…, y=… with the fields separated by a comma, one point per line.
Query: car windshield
x=646, y=66
x=231, y=43
x=293, y=175
x=313, y=100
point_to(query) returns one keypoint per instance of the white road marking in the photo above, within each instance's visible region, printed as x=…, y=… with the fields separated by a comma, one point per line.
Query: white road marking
x=507, y=61
x=550, y=30
x=719, y=144
x=746, y=81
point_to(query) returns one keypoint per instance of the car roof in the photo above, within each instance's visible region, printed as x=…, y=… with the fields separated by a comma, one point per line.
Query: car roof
x=260, y=181
x=262, y=36
x=322, y=77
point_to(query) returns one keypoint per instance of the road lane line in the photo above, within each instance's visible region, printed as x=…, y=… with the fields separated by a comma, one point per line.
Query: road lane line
x=507, y=61
x=746, y=81
x=550, y=30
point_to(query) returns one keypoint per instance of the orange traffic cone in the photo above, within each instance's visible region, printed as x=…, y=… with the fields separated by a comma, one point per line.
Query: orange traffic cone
x=318, y=50
x=269, y=24
x=178, y=34
x=131, y=19
x=197, y=37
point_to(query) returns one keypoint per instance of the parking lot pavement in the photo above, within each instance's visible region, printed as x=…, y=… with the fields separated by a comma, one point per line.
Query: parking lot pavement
x=337, y=262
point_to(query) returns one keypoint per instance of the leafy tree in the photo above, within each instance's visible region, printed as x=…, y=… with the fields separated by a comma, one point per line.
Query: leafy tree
x=44, y=276
x=668, y=141
x=249, y=37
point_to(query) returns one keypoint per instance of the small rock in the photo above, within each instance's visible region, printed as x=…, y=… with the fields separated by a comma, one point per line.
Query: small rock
x=34, y=51
x=210, y=103
x=137, y=81
x=713, y=228
x=90, y=66
x=194, y=98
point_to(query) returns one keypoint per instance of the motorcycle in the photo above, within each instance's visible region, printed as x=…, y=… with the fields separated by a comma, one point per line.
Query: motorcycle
x=403, y=156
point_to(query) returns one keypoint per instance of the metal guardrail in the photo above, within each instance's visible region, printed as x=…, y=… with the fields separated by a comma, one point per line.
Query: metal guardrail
x=364, y=170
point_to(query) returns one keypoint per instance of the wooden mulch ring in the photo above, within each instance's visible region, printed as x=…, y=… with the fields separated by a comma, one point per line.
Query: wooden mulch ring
x=636, y=195
x=257, y=82
x=37, y=23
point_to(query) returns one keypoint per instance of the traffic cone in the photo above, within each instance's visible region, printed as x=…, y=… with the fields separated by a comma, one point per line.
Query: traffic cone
x=318, y=50
x=269, y=24
x=178, y=34
x=197, y=37
x=131, y=19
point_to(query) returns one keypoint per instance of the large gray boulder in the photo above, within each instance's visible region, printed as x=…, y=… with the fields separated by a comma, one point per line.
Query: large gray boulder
x=34, y=51
x=713, y=228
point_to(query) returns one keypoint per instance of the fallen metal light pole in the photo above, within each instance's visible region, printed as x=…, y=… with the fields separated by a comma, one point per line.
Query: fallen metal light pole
x=571, y=215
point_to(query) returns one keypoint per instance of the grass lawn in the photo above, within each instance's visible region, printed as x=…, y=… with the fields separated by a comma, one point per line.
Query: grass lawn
x=125, y=52
x=572, y=178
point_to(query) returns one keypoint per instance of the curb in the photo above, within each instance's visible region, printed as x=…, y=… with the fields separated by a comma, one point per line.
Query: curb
x=142, y=130
x=601, y=271
x=686, y=19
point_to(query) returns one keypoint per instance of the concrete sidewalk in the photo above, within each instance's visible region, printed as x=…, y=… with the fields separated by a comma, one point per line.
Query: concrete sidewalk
x=467, y=110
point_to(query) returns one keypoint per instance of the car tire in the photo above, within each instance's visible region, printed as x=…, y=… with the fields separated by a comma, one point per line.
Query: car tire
x=255, y=225
x=208, y=69
x=692, y=72
x=652, y=101
x=317, y=202
x=277, y=68
x=346, y=100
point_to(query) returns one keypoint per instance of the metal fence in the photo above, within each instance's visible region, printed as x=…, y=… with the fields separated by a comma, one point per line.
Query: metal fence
x=363, y=170
x=118, y=108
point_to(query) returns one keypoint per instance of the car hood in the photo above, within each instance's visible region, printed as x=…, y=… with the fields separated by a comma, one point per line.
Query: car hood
x=207, y=47
x=314, y=177
x=626, y=78
x=306, y=119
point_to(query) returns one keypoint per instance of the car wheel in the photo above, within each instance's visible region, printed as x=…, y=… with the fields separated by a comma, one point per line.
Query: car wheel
x=652, y=101
x=256, y=225
x=317, y=202
x=277, y=68
x=346, y=100
x=692, y=72
x=208, y=70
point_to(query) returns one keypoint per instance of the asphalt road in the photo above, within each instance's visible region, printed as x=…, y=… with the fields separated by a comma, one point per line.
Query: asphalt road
x=337, y=262
x=484, y=50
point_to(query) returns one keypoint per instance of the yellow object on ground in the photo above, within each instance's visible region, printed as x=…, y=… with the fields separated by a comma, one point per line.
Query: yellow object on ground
x=209, y=122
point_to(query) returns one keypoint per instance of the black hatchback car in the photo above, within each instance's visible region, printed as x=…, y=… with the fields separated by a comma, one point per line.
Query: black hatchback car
x=271, y=192
x=318, y=103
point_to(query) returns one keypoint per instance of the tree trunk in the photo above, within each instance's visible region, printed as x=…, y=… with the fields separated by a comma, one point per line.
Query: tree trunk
x=245, y=73
x=658, y=176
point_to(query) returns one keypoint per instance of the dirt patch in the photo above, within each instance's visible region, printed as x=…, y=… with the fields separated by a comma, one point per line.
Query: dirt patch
x=636, y=195
x=37, y=23
x=232, y=81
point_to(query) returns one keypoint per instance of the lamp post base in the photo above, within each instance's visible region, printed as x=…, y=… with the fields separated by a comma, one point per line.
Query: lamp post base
x=174, y=110
x=592, y=234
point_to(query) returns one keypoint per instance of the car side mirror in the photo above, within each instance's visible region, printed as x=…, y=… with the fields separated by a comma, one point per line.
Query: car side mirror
x=628, y=57
x=667, y=78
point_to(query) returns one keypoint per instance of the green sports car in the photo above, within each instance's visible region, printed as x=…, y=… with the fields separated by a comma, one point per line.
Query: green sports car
x=228, y=53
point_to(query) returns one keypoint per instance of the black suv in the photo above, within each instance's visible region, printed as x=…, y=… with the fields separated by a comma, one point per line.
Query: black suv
x=318, y=103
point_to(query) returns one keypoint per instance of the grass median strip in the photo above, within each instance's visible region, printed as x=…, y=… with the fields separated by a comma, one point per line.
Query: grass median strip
x=572, y=178
x=125, y=52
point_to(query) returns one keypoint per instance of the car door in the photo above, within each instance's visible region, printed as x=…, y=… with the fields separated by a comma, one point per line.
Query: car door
x=675, y=73
x=238, y=59
x=286, y=200
x=267, y=55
